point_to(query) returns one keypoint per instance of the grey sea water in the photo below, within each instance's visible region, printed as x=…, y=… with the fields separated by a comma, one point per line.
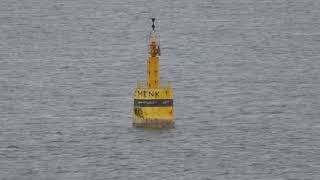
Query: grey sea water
x=246, y=75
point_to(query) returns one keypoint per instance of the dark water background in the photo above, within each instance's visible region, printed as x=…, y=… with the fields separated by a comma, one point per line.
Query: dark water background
x=246, y=75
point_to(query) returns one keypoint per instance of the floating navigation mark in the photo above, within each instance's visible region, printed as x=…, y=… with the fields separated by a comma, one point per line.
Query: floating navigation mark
x=153, y=100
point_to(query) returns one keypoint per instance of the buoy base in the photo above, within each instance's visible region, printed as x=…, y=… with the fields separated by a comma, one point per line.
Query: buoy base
x=153, y=108
x=157, y=124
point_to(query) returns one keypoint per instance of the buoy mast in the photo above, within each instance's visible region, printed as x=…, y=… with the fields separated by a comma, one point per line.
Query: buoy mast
x=153, y=62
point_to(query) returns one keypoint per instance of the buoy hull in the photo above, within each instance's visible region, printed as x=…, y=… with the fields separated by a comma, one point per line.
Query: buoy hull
x=153, y=108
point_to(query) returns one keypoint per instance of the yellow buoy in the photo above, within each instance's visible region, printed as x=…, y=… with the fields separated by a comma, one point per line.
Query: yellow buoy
x=153, y=100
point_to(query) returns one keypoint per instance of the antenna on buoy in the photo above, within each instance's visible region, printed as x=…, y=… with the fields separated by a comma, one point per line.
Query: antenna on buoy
x=154, y=47
x=154, y=37
x=153, y=26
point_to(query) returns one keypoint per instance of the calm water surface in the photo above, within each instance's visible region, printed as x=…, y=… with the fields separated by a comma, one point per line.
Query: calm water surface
x=246, y=78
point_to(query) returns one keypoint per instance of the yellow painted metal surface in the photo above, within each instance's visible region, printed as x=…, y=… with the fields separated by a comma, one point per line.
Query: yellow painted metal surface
x=162, y=107
x=153, y=113
x=153, y=72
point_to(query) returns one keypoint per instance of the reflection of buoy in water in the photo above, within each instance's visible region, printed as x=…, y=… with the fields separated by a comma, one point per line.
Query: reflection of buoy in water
x=153, y=101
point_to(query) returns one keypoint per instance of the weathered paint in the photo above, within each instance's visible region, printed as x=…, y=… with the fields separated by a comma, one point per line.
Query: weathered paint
x=154, y=106
x=154, y=113
x=153, y=72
